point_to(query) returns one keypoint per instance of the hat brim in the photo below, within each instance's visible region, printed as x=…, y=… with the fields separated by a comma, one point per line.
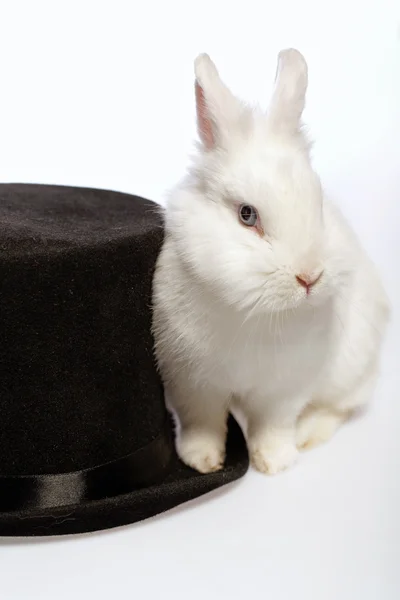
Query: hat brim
x=181, y=485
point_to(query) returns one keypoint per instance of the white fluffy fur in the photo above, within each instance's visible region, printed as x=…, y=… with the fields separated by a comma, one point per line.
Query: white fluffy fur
x=233, y=326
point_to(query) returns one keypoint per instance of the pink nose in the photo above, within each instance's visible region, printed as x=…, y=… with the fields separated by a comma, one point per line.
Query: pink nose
x=307, y=281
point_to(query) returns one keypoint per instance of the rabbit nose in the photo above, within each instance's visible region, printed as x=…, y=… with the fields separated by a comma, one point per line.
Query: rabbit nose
x=308, y=281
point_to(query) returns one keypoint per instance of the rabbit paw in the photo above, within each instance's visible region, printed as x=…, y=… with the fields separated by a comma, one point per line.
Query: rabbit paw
x=201, y=451
x=273, y=457
x=317, y=426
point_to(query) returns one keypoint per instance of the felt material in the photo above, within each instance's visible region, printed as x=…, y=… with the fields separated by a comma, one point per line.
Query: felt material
x=78, y=381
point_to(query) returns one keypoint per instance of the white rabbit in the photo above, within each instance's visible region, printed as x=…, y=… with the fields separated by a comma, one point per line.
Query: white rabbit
x=263, y=297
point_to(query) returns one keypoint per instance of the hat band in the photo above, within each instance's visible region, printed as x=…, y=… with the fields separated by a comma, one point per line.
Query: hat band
x=144, y=467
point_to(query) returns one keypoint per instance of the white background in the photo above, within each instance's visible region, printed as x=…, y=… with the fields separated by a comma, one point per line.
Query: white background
x=100, y=94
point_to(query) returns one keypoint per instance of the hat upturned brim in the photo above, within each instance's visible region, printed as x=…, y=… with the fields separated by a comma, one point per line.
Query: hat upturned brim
x=181, y=485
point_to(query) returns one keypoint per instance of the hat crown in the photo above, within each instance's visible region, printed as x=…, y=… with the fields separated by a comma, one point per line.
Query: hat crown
x=78, y=385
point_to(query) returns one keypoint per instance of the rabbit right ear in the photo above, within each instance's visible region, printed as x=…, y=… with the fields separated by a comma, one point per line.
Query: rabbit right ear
x=288, y=100
x=217, y=108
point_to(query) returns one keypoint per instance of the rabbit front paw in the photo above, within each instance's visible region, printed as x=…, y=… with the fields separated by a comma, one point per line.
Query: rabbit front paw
x=202, y=451
x=272, y=456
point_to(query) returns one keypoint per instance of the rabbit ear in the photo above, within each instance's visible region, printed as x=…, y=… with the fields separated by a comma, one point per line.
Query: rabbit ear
x=217, y=108
x=288, y=100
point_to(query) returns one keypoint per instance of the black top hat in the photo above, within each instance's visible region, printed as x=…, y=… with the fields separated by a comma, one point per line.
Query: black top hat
x=85, y=439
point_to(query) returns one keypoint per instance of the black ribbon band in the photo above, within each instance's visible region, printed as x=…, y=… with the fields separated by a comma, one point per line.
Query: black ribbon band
x=147, y=466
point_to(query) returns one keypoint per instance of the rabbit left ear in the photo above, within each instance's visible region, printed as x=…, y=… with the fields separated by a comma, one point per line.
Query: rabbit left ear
x=205, y=125
x=288, y=100
x=217, y=108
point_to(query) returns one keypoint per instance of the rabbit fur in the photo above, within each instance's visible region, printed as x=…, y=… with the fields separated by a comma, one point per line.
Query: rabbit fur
x=282, y=320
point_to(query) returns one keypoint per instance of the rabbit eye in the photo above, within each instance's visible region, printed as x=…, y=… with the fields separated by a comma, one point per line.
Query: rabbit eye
x=248, y=215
